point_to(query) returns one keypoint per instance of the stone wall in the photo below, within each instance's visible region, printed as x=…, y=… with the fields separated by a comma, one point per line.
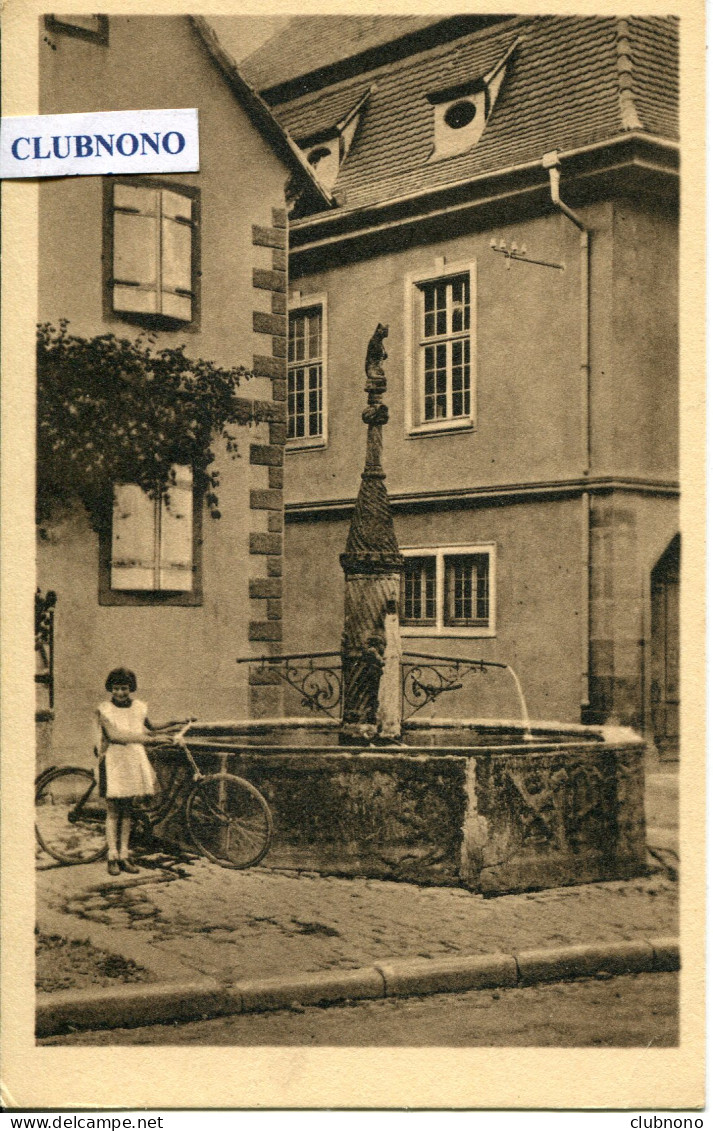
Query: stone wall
x=494, y=820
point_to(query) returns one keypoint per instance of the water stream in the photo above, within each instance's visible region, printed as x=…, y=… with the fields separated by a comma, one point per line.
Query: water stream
x=528, y=735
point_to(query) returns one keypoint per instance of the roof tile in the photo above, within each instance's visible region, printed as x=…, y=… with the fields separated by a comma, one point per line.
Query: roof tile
x=561, y=91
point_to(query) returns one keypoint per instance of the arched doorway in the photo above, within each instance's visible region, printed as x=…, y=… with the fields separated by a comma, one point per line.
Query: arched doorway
x=665, y=650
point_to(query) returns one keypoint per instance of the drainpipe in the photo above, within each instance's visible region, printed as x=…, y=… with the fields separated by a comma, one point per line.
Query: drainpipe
x=551, y=162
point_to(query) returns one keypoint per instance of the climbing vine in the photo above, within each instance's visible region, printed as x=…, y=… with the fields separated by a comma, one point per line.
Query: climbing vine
x=117, y=411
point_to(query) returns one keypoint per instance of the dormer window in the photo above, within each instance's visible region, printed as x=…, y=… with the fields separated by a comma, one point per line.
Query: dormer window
x=327, y=149
x=460, y=113
x=324, y=159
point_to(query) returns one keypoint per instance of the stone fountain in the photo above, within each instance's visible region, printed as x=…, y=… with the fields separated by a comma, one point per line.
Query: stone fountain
x=496, y=806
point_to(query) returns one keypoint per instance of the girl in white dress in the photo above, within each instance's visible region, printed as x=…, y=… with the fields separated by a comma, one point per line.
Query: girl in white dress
x=124, y=768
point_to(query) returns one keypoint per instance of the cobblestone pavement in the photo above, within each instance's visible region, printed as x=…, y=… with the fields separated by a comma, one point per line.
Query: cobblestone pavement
x=183, y=917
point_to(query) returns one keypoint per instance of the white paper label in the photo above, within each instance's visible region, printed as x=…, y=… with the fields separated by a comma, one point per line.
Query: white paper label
x=123, y=141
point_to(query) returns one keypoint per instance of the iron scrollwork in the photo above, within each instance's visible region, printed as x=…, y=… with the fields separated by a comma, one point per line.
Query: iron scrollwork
x=319, y=679
x=423, y=682
x=318, y=684
x=320, y=687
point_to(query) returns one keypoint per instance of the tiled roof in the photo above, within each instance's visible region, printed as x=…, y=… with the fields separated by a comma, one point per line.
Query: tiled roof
x=562, y=90
x=318, y=115
x=654, y=54
x=312, y=42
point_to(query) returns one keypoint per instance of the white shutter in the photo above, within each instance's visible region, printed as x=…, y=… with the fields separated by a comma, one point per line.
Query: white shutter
x=176, y=251
x=136, y=249
x=176, y=534
x=133, y=539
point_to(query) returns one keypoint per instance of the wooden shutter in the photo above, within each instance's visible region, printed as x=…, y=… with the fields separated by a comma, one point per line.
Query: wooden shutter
x=153, y=252
x=133, y=539
x=176, y=534
x=176, y=256
x=136, y=249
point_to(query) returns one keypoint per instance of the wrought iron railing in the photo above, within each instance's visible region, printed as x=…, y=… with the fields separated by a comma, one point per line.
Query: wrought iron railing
x=317, y=677
x=318, y=683
x=425, y=677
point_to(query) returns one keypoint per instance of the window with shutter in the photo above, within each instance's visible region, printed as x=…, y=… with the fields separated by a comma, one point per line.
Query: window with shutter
x=152, y=548
x=153, y=231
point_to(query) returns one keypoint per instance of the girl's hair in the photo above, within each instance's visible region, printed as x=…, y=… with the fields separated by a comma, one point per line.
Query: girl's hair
x=120, y=675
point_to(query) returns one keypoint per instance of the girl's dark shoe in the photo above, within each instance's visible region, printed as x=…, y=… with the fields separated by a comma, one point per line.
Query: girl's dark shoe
x=128, y=866
x=113, y=867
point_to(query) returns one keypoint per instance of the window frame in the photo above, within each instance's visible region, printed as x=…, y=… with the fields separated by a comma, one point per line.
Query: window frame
x=59, y=25
x=151, y=319
x=439, y=627
x=414, y=350
x=305, y=302
x=153, y=597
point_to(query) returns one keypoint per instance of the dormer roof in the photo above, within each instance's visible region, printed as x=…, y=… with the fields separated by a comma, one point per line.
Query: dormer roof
x=461, y=112
x=571, y=82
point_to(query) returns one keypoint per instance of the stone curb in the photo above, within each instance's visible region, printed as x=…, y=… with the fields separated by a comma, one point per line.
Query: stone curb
x=128, y=1006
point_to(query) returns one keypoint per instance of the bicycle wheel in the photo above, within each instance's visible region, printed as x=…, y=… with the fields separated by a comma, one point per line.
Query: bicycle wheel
x=70, y=815
x=229, y=820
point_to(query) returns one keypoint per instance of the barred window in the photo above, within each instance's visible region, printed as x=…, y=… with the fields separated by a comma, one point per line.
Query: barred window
x=449, y=591
x=467, y=596
x=419, y=592
x=305, y=375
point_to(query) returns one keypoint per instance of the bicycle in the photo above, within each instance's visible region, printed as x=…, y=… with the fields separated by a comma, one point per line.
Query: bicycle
x=226, y=817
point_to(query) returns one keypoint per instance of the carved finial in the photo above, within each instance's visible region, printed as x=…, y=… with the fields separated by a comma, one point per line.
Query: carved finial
x=375, y=386
x=376, y=354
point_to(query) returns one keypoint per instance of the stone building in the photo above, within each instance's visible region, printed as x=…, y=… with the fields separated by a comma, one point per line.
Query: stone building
x=178, y=614
x=504, y=196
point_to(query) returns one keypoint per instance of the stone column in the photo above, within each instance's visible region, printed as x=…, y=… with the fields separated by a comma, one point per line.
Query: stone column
x=616, y=616
x=372, y=564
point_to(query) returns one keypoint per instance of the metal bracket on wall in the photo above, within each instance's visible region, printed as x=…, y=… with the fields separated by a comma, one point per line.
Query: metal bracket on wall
x=520, y=255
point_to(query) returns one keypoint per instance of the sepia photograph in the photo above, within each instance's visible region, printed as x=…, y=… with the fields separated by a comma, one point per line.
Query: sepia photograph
x=357, y=574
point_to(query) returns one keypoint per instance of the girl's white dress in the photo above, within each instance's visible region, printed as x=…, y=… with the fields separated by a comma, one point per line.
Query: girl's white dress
x=128, y=770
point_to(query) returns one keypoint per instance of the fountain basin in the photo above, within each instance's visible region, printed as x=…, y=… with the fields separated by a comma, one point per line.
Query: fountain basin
x=479, y=804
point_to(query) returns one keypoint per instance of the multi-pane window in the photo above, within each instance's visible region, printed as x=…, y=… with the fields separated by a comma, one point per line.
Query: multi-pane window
x=444, y=348
x=305, y=374
x=154, y=270
x=152, y=538
x=449, y=591
x=467, y=589
x=419, y=591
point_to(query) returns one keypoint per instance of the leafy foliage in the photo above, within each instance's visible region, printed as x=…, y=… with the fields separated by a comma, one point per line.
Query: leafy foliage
x=115, y=411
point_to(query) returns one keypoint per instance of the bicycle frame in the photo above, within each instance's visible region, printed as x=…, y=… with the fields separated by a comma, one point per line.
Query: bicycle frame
x=225, y=816
x=171, y=791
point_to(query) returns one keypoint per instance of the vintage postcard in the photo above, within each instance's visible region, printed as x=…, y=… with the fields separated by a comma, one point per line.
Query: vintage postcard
x=353, y=399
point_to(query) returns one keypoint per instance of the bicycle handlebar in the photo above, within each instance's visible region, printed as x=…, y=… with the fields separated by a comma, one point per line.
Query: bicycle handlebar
x=177, y=737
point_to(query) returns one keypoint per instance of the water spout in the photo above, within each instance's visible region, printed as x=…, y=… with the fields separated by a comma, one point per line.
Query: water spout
x=528, y=735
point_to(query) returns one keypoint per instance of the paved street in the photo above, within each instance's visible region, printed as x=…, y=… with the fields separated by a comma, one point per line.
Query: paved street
x=181, y=919
x=630, y=1011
